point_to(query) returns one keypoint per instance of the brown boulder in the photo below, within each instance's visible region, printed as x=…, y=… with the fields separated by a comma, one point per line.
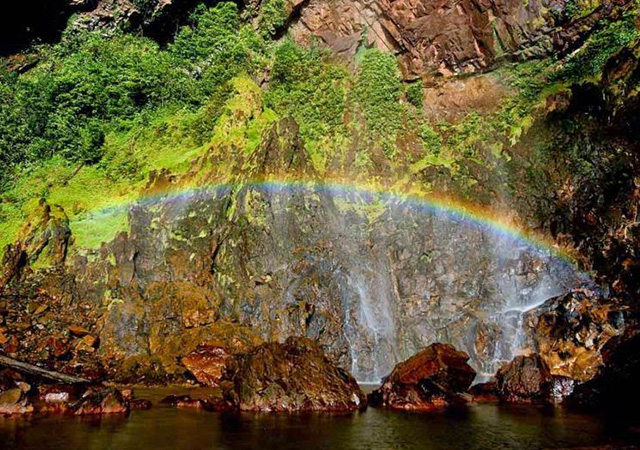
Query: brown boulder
x=209, y=360
x=524, y=379
x=15, y=401
x=101, y=400
x=207, y=364
x=433, y=378
x=570, y=331
x=291, y=376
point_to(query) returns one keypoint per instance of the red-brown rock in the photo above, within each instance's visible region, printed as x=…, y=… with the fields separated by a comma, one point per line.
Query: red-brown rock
x=101, y=400
x=14, y=401
x=291, y=376
x=207, y=364
x=570, y=331
x=524, y=379
x=432, y=379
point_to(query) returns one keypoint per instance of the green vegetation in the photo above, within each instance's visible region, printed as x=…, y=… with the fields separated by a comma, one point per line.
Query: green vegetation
x=312, y=91
x=88, y=86
x=274, y=17
x=86, y=127
x=414, y=94
x=589, y=61
x=378, y=90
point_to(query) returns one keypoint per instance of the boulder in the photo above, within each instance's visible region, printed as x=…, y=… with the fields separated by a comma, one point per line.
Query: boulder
x=207, y=364
x=291, y=376
x=524, y=379
x=99, y=401
x=14, y=401
x=616, y=383
x=208, y=361
x=431, y=379
x=570, y=331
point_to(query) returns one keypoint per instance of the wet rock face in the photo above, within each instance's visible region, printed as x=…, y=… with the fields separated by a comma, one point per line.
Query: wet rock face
x=570, y=331
x=371, y=288
x=293, y=376
x=371, y=278
x=431, y=379
x=525, y=379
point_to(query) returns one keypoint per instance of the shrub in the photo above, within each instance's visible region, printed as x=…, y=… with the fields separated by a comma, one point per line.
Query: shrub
x=378, y=90
x=415, y=94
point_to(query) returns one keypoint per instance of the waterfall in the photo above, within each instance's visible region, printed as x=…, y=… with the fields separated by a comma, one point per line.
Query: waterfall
x=457, y=278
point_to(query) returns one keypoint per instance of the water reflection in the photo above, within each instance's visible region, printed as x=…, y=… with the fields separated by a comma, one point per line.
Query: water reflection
x=474, y=427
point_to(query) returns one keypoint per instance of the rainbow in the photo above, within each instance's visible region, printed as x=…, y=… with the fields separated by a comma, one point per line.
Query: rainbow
x=467, y=214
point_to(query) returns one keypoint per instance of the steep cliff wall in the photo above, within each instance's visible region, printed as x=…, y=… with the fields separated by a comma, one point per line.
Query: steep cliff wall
x=253, y=192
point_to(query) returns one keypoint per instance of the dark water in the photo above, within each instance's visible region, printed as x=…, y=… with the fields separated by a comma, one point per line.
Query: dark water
x=480, y=426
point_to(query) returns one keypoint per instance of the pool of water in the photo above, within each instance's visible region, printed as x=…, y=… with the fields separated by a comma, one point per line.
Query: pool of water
x=477, y=426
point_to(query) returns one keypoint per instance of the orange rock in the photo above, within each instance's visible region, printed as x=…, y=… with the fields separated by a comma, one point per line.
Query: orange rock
x=101, y=400
x=78, y=331
x=207, y=364
x=434, y=378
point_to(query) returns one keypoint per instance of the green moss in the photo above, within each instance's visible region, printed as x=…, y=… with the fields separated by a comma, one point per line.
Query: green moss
x=415, y=95
x=92, y=229
x=273, y=17
x=307, y=87
x=431, y=139
x=378, y=90
x=589, y=61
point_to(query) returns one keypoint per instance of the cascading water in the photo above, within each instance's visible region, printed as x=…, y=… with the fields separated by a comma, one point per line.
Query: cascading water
x=371, y=277
x=466, y=278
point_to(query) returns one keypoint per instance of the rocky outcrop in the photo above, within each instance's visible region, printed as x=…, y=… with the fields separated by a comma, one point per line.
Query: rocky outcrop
x=292, y=376
x=208, y=362
x=590, y=202
x=525, y=379
x=42, y=242
x=616, y=383
x=570, y=331
x=433, y=378
x=445, y=37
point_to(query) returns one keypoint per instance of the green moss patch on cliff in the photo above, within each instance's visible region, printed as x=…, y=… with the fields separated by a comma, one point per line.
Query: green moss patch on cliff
x=97, y=116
